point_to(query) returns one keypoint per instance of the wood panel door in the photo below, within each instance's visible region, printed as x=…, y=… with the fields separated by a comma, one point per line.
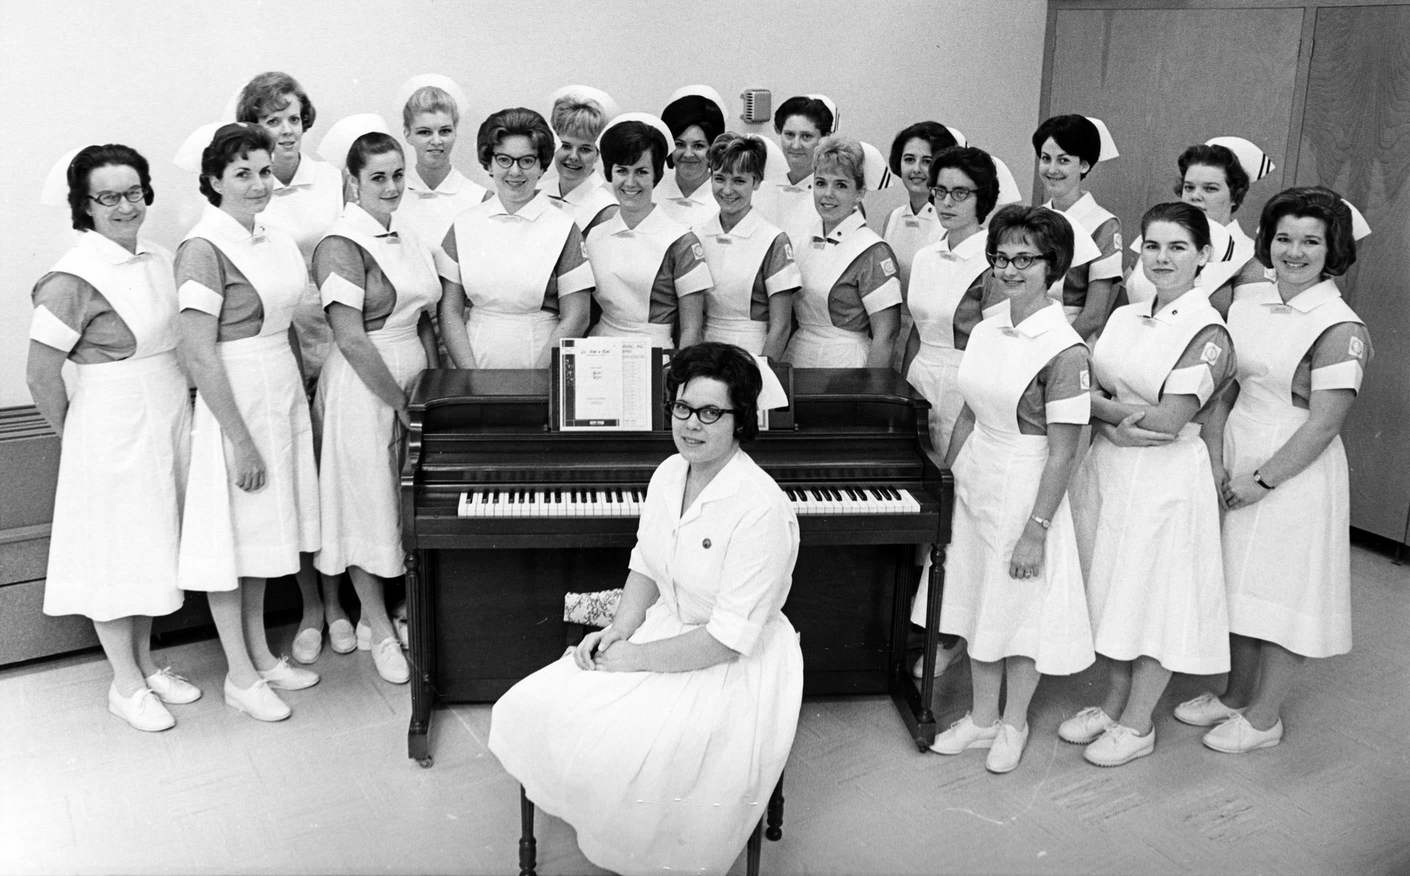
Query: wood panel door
x=1356, y=139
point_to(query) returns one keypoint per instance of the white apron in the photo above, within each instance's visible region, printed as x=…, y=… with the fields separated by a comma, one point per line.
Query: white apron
x=735, y=258
x=1148, y=517
x=818, y=343
x=1230, y=250
x=1287, y=557
x=907, y=233
x=228, y=533
x=359, y=473
x=996, y=482
x=122, y=462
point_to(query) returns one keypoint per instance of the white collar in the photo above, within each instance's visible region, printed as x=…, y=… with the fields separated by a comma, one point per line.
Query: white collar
x=803, y=185
x=744, y=228
x=358, y=219
x=111, y=251
x=670, y=189
x=530, y=212
x=851, y=222
x=227, y=228
x=727, y=482
x=449, y=186
x=303, y=174
x=966, y=249
x=1182, y=309
x=1037, y=324
x=1312, y=297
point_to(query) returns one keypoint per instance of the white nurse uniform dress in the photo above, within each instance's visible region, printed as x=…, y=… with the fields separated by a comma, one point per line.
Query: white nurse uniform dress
x=642, y=273
x=1231, y=250
x=750, y=263
x=692, y=210
x=122, y=461
x=907, y=232
x=789, y=206
x=588, y=204
x=668, y=772
x=1104, y=230
x=388, y=276
x=427, y=212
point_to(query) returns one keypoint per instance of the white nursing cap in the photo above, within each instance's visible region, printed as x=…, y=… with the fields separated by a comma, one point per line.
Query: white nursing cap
x=776, y=165
x=960, y=139
x=1084, y=249
x=1108, y=150
x=703, y=91
x=188, y=154
x=340, y=137
x=1252, y=159
x=831, y=107
x=1008, y=186
x=434, y=80
x=55, y=191
x=585, y=93
x=876, y=170
x=229, y=111
x=771, y=394
x=644, y=118
x=1359, y=226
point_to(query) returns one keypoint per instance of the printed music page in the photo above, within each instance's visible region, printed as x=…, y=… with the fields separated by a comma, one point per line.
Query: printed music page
x=604, y=384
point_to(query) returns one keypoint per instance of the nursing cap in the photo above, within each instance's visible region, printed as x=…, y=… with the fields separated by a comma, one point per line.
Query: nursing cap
x=960, y=139
x=876, y=171
x=1108, y=145
x=771, y=392
x=1008, y=186
x=1252, y=159
x=692, y=105
x=188, y=154
x=776, y=165
x=644, y=118
x=55, y=191
x=585, y=93
x=1359, y=226
x=1084, y=249
x=434, y=80
x=340, y=137
x=831, y=107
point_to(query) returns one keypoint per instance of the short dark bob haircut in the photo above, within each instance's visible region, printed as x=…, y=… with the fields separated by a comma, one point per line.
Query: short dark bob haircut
x=368, y=145
x=89, y=159
x=810, y=108
x=693, y=109
x=731, y=366
x=1074, y=134
x=515, y=121
x=934, y=133
x=270, y=92
x=1310, y=202
x=625, y=142
x=1235, y=177
x=231, y=143
x=979, y=167
x=1043, y=229
x=737, y=153
x=1187, y=216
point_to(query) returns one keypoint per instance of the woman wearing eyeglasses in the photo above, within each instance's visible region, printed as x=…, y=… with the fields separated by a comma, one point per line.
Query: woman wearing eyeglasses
x=660, y=738
x=515, y=261
x=108, y=307
x=1013, y=582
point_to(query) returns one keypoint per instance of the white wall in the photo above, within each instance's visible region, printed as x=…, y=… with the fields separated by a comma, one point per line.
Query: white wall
x=147, y=72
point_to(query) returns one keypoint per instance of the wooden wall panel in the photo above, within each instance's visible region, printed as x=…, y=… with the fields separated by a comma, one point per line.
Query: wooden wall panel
x=1356, y=139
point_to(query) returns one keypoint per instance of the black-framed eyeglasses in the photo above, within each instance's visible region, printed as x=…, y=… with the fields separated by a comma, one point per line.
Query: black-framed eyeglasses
x=1023, y=261
x=958, y=194
x=707, y=414
x=506, y=161
x=110, y=199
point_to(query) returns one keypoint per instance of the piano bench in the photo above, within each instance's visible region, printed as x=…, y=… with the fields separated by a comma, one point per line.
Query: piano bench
x=770, y=825
x=583, y=610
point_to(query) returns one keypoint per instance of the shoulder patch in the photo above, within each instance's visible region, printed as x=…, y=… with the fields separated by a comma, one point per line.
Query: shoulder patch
x=1355, y=347
x=1211, y=353
x=1084, y=380
x=697, y=250
x=788, y=251
x=1116, y=239
x=582, y=246
x=888, y=267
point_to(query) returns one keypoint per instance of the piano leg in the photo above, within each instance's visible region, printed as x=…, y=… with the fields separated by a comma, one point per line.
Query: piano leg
x=419, y=614
x=915, y=705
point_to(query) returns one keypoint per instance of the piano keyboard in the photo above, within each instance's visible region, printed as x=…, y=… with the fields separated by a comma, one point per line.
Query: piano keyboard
x=626, y=502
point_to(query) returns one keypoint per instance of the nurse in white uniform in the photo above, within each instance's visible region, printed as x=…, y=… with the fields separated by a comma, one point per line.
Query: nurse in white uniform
x=751, y=261
x=787, y=201
x=650, y=269
x=108, y=306
x=252, y=495
x=380, y=285
x=1013, y=580
x=574, y=183
x=514, y=268
x=1068, y=147
x=1282, y=473
x=696, y=116
x=436, y=192
x=847, y=310
x=660, y=738
x=1144, y=500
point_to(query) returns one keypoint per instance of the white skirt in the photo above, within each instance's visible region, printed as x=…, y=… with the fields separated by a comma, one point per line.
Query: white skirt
x=1287, y=557
x=228, y=533
x=510, y=340
x=658, y=333
x=1044, y=617
x=934, y=372
x=814, y=346
x=657, y=771
x=748, y=334
x=117, y=508
x=1148, y=534
x=359, y=474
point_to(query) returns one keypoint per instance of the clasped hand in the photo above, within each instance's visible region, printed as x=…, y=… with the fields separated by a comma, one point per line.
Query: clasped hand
x=1128, y=434
x=607, y=650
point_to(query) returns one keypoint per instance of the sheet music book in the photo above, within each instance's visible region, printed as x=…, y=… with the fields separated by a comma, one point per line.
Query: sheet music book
x=605, y=385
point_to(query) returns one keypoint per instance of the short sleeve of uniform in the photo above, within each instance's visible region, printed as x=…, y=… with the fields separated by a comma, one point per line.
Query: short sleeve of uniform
x=756, y=563
x=1339, y=357
x=780, y=271
x=1207, y=364
x=1107, y=237
x=573, y=272
x=200, y=277
x=340, y=272
x=447, y=256
x=686, y=258
x=876, y=278
x=1066, y=383
x=60, y=303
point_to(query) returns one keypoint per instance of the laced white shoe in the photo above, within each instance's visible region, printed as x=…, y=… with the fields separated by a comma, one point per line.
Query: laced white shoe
x=171, y=688
x=963, y=735
x=257, y=701
x=285, y=676
x=1084, y=726
x=1205, y=710
x=142, y=711
x=307, y=645
x=1007, y=749
x=1238, y=736
x=1118, y=745
x=390, y=663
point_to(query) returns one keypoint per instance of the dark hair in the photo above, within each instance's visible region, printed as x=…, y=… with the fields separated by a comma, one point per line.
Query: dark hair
x=979, y=167
x=1074, y=134
x=1222, y=157
x=693, y=109
x=810, y=108
x=269, y=92
x=370, y=144
x=515, y=121
x=1187, y=216
x=89, y=159
x=625, y=142
x=1310, y=202
x=934, y=133
x=1045, y=229
x=230, y=143
x=740, y=153
x=731, y=366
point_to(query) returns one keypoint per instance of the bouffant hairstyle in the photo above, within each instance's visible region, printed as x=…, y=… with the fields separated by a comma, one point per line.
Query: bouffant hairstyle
x=89, y=159
x=1074, y=134
x=737, y=153
x=576, y=117
x=934, y=133
x=844, y=154
x=731, y=366
x=624, y=143
x=1314, y=202
x=979, y=167
x=270, y=92
x=429, y=99
x=810, y=108
x=1043, y=229
x=1235, y=177
x=231, y=142
x=515, y=121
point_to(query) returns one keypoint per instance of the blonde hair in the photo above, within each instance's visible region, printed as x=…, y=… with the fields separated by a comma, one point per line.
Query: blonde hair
x=429, y=99
x=842, y=153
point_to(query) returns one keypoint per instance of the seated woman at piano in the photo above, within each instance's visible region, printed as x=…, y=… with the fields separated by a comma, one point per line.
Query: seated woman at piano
x=515, y=262
x=751, y=304
x=378, y=284
x=661, y=737
x=849, y=305
x=650, y=269
x=1013, y=582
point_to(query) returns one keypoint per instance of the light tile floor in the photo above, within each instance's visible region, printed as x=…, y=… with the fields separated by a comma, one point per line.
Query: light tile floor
x=331, y=791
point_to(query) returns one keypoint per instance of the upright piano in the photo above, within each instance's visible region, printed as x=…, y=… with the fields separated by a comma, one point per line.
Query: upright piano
x=501, y=516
